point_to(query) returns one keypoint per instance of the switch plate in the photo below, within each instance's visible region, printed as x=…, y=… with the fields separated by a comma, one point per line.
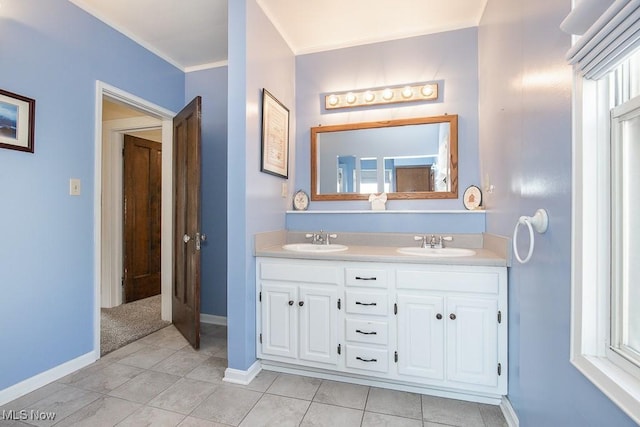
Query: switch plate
x=74, y=186
x=284, y=190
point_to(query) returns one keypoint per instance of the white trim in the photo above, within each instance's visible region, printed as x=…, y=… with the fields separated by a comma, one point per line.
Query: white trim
x=208, y=66
x=46, y=377
x=509, y=413
x=213, y=319
x=456, y=211
x=166, y=116
x=590, y=244
x=237, y=376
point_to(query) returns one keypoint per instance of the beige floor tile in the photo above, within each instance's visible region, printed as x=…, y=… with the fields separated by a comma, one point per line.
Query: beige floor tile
x=199, y=422
x=183, y=396
x=276, y=411
x=145, y=386
x=372, y=419
x=295, y=386
x=261, y=382
x=63, y=403
x=147, y=357
x=342, y=394
x=392, y=402
x=122, y=352
x=321, y=415
x=108, y=378
x=492, y=416
x=106, y=411
x=450, y=411
x=180, y=363
x=168, y=337
x=210, y=370
x=33, y=397
x=227, y=405
x=148, y=416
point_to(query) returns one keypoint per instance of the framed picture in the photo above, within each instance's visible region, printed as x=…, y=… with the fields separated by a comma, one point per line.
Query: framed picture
x=17, y=114
x=275, y=136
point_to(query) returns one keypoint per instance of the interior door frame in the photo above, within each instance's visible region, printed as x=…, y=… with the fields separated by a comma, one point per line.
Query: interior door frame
x=104, y=90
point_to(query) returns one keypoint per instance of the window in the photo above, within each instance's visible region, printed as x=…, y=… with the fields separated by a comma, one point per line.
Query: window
x=605, y=342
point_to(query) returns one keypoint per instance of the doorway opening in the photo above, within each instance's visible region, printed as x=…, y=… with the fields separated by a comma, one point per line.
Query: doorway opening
x=119, y=114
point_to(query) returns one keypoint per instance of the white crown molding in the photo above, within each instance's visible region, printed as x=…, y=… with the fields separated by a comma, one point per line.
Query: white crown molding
x=207, y=66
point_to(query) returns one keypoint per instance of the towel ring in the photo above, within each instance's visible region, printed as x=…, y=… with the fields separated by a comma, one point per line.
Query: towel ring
x=538, y=222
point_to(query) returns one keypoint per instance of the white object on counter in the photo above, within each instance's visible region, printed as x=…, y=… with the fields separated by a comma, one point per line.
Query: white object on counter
x=378, y=201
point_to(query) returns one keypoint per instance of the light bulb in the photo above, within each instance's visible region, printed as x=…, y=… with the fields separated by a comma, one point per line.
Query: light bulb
x=369, y=96
x=407, y=92
x=427, y=90
x=351, y=98
x=387, y=94
x=333, y=100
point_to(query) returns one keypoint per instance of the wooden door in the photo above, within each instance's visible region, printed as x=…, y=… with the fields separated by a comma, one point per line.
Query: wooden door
x=413, y=178
x=142, y=197
x=187, y=226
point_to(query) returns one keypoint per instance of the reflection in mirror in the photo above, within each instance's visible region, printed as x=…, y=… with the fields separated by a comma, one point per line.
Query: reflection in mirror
x=408, y=159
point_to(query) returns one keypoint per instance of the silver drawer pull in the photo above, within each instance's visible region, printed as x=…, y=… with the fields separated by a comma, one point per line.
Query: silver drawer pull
x=366, y=303
x=366, y=278
x=366, y=333
x=366, y=360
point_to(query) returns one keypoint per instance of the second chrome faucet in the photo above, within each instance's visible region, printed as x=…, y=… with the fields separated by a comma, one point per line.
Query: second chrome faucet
x=320, y=238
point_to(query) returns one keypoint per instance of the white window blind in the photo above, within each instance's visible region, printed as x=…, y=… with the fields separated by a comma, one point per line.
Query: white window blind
x=608, y=41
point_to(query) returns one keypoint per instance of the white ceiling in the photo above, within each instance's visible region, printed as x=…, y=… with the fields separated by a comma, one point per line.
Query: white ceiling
x=192, y=34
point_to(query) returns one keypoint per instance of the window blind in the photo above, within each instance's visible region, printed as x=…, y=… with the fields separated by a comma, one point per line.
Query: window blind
x=608, y=41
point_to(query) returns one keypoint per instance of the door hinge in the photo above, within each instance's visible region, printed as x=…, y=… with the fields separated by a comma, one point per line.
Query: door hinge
x=395, y=308
x=122, y=282
x=260, y=297
x=339, y=304
x=339, y=348
x=260, y=338
x=122, y=151
x=395, y=357
x=499, y=317
x=499, y=369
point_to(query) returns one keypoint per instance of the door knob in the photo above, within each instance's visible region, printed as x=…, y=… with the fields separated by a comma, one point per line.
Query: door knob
x=452, y=316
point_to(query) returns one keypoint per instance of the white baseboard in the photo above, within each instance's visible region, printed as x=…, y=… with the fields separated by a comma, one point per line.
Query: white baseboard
x=237, y=376
x=212, y=319
x=30, y=384
x=509, y=413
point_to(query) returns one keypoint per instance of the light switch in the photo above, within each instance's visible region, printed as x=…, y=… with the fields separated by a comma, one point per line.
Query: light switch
x=74, y=186
x=284, y=190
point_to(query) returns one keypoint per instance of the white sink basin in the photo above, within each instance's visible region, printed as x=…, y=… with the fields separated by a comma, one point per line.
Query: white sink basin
x=440, y=252
x=310, y=247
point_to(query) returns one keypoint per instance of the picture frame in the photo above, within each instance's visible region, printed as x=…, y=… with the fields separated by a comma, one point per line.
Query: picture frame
x=275, y=136
x=17, y=117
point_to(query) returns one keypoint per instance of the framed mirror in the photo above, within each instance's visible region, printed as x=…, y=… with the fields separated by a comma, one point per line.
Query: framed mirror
x=407, y=159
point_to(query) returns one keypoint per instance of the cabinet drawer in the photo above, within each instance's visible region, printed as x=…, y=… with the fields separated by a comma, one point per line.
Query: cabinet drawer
x=362, y=302
x=367, y=332
x=368, y=277
x=300, y=272
x=369, y=359
x=455, y=281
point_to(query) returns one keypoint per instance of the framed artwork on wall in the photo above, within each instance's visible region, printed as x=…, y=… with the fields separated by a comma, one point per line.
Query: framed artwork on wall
x=17, y=116
x=275, y=136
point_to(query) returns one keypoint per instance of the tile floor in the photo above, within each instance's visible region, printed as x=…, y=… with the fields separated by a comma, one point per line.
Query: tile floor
x=161, y=381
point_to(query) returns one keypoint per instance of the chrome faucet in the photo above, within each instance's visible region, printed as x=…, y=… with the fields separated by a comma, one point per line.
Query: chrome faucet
x=433, y=241
x=321, y=238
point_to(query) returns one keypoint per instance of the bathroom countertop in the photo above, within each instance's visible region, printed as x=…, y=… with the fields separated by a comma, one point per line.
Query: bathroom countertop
x=271, y=246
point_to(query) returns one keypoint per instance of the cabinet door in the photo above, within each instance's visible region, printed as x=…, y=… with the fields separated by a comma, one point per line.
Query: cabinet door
x=421, y=336
x=318, y=314
x=472, y=337
x=279, y=325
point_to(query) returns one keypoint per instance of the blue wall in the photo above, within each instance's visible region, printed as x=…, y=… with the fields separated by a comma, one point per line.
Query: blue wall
x=525, y=148
x=54, y=52
x=258, y=58
x=211, y=84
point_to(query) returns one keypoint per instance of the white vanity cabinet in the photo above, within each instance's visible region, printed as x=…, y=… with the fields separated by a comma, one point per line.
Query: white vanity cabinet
x=298, y=312
x=450, y=326
x=411, y=326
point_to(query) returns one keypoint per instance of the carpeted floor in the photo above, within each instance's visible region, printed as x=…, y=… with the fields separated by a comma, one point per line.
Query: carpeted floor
x=128, y=322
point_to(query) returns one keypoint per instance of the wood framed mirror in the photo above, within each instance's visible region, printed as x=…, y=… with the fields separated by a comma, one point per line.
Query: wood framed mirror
x=407, y=159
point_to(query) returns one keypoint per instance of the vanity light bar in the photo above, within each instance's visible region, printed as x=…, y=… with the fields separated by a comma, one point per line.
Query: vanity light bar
x=388, y=95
